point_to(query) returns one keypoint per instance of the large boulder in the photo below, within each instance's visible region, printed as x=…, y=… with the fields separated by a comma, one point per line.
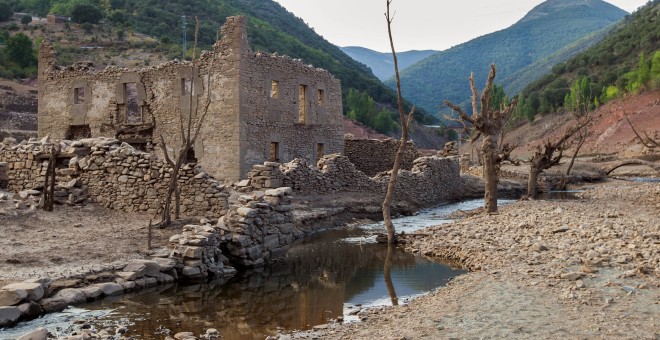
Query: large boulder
x=35, y=291
x=11, y=297
x=9, y=316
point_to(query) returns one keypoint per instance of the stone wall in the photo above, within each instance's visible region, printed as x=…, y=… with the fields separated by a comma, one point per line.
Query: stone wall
x=112, y=174
x=372, y=156
x=254, y=105
x=430, y=180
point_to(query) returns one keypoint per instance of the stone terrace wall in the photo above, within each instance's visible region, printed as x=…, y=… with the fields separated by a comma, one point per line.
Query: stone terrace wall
x=114, y=175
x=372, y=156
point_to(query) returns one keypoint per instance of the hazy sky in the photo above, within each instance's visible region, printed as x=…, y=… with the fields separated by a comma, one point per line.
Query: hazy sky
x=418, y=24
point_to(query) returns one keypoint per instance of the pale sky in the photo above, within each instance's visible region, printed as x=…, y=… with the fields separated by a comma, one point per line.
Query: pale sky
x=418, y=24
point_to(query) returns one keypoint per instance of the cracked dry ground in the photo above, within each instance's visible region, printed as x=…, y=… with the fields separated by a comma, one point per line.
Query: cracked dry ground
x=587, y=268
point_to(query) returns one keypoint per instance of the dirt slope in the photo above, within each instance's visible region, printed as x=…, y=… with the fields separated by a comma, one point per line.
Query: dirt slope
x=611, y=133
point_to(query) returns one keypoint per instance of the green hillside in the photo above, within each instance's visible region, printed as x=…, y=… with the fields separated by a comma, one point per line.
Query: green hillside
x=271, y=29
x=546, y=29
x=622, y=62
x=381, y=63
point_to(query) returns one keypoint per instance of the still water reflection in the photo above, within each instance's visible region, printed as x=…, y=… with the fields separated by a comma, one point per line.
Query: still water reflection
x=321, y=278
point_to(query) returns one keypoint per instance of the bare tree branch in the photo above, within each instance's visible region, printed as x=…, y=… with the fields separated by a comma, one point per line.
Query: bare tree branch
x=648, y=141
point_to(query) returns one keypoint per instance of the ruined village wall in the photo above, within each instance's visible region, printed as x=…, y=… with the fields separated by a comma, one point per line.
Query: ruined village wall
x=430, y=180
x=161, y=99
x=372, y=156
x=114, y=175
x=271, y=105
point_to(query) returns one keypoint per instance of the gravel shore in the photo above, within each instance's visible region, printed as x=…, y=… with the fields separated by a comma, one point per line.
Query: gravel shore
x=583, y=268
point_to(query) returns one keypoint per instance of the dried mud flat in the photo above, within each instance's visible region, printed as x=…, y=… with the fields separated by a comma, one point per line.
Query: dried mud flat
x=70, y=242
x=586, y=268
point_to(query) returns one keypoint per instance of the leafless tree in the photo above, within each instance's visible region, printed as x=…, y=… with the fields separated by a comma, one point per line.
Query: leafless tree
x=545, y=158
x=582, y=135
x=49, y=179
x=647, y=141
x=488, y=122
x=405, y=123
x=189, y=128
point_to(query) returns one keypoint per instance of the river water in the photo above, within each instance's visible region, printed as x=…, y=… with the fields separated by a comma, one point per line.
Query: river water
x=328, y=275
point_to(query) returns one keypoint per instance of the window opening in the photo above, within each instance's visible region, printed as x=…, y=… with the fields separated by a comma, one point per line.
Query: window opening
x=186, y=86
x=319, y=152
x=321, y=97
x=79, y=95
x=274, y=152
x=274, y=89
x=133, y=114
x=302, y=104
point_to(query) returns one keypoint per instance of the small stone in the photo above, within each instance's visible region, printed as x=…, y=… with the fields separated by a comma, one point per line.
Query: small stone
x=37, y=334
x=111, y=289
x=538, y=247
x=572, y=276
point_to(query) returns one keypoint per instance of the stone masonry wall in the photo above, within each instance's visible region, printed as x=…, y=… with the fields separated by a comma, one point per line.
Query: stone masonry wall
x=114, y=175
x=254, y=100
x=372, y=156
x=429, y=181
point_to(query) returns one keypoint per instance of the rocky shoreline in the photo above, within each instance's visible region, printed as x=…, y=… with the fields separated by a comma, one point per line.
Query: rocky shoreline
x=585, y=268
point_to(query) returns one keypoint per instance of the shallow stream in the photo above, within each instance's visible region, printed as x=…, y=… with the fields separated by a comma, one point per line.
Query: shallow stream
x=328, y=275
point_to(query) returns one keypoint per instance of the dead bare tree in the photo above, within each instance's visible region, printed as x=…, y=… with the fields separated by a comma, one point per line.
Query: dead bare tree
x=647, y=141
x=189, y=131
x=405, y=124
x=49, y=179
x=583, y=133
x=544, y=158
x=488, y=123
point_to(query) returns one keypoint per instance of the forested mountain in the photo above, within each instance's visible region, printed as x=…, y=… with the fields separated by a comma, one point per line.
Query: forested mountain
x=627, y=60
x=271, y=28
x=545, y=30
x=381, y=63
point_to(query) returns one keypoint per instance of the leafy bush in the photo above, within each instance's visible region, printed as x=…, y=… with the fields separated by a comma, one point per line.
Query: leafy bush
x=5, y=11
x=86, y=13
x=19, y=50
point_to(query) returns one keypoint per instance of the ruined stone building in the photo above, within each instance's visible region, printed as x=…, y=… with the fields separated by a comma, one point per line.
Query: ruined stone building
x=262, y=107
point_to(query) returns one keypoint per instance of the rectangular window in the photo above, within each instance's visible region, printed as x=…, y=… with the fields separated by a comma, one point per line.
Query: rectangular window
x=133, y=114
x=274, y=89
x=321, y=97
x=186, y=86
x=274, y=152
x=319, y=151
x=302, y=104
x=79, y=95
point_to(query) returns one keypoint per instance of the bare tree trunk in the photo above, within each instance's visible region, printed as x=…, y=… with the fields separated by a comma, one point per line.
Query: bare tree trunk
x=49, y=180
x=575, y=154
x=489, y=150
x=405, y=123
x=387, y=273
x=532, y=182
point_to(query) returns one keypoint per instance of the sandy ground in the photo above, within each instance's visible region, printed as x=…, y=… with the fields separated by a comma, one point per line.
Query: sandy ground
x=585, y=269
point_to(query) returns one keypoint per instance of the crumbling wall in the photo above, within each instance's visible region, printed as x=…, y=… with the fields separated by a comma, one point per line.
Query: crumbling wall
x=296, y=106
x=112, y=174
x=430, y=180
x=247, y=113
x=372, y=156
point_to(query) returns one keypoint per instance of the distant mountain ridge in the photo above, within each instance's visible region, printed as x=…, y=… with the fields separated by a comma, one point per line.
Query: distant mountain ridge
x=381, y=63
x=545, y=30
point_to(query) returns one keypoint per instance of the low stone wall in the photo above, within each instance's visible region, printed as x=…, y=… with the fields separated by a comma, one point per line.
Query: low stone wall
x=372, y=156
x=429, y=181
x=112, y=174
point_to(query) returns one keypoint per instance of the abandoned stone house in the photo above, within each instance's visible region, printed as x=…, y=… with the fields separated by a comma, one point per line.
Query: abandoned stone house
x=261, y=107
